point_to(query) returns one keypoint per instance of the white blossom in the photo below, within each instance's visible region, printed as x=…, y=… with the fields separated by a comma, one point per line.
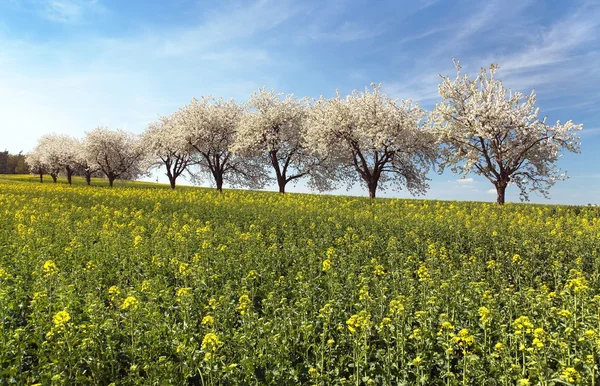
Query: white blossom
x=117, y=153
x=373, y=138
x=166, y=145
x=36, y=166
x=56, y=152
x=210, y=126
x=275, y=130
x=489, y=130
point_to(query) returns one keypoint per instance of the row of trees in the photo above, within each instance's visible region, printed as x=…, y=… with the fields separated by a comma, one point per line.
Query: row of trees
x=112, y=153
x=479, y=127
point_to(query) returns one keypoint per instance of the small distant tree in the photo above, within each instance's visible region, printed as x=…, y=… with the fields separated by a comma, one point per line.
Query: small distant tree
x=85, y=164
x=491, y=131
x=50, y=151
x=35, y=164
x=210, y=126
x=275, y=130
x=374, y=139
x=166, y=145
x=118, y=154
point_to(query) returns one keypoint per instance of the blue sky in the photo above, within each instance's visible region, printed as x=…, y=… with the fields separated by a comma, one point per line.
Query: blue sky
x=70, y=65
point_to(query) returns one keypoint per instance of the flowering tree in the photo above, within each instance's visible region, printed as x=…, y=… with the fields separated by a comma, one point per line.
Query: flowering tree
x=85, y=164
x=165, y=145
x=53, y=153
x=275, y=129
x=48, y=153
x=35, y=164
x=491, y=131
x=210, y=126
x=374, y=139
x=117, y=153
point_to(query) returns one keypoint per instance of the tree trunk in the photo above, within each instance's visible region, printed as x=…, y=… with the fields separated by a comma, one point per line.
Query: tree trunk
x=54, y=177
x=172, y=181
x=41, y=178
x=88, y=178
x=281, y=182
x=111, y=180
x=69, y=176
x=501, y=190
x=372, y=185
x=219, y=182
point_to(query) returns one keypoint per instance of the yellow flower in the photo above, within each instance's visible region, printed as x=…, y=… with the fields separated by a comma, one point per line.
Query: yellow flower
x=208, y=321
x=571, y=375
x=385, y=322
x=325, y=311
x=523, y=382
x=359, y=322
x=423, y=273
x=211, y=342
x=379, y=270
x=183, y=269
x=396, y=306
x=484, y=315
x=50, y=268
x=330, y=252
x=182, y=293
x=129, y=302
x=244, y=304
x=326, y=265
x=137, y=241
x=463, y=339
x=363, y=293
x=113, y=292
x=145, y=285
x=522, y=323
x=565, y=313
x=213, y=303
x=60, y=319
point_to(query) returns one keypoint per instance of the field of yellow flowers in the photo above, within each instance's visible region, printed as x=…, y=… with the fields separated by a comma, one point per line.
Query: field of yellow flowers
x=141, y=285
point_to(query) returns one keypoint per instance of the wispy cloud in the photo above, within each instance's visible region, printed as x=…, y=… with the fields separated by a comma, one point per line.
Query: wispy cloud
x=465, y=180
x=591, y=132
x=562, y=41
x=68, y=11
x=421, y=88
x=348, y=32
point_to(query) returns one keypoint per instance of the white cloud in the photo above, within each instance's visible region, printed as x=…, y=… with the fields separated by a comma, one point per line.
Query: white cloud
x=465, y=180
x=491, y=191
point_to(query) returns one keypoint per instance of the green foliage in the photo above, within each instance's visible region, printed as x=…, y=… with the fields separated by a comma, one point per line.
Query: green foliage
x=152, y=286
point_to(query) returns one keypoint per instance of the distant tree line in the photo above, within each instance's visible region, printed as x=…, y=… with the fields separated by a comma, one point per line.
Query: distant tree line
x=13, y=163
